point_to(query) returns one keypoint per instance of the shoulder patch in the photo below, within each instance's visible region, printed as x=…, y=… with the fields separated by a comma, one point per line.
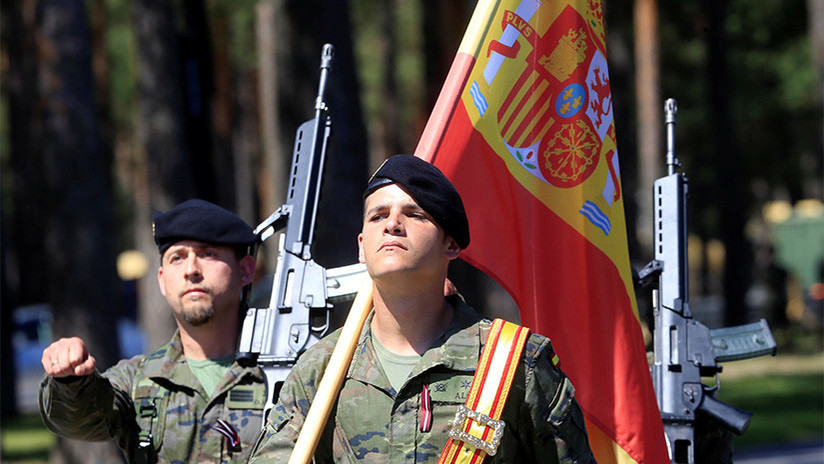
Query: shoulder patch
x=247, y=397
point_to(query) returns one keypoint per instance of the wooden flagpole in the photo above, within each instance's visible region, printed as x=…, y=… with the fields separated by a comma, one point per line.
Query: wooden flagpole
x=332, y=380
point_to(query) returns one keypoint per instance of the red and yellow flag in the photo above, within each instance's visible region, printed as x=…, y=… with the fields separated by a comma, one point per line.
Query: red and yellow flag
x=524, y=129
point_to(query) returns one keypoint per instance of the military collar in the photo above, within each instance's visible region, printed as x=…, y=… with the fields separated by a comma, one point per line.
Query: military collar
x=164, y=366
x=458, y=348
x=161, y=363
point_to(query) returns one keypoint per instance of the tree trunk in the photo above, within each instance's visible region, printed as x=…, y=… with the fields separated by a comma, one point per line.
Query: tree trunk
x=212, y=171
x=20, y=282
x=310, y=25
x=246, y=147
x=444, y=24
x=79, y=270
x=222, y=108
x=386, y=135
x=275, y=150
x=79, y=229
x=620, y=26
x=815, y=10
x=732, y=205
x=650, y=112
x=163, y=153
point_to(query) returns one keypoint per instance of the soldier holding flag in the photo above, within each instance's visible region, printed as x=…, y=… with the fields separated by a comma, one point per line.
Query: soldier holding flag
x=430, y=380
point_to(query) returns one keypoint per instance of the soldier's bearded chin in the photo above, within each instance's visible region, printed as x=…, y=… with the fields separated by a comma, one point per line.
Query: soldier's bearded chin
x=199, y=315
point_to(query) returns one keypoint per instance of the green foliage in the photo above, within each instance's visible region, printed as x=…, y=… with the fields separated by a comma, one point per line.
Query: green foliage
x=774, y=90
x=369, y=41
x=121, y=53
x=241, y=17
x=378, y=26
x=410, y=62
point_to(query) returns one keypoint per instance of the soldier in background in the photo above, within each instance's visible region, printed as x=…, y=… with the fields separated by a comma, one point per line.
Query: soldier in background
x=189, y=401
x=418, y=352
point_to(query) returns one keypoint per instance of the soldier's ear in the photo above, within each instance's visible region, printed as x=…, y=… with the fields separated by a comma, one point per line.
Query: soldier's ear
x=361, y=255
x=453, y=250
x=160, y=281
x=247, y=269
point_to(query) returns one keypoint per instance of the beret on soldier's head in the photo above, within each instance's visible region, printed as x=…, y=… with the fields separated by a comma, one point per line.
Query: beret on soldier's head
x=201, y=221
x=431, y=190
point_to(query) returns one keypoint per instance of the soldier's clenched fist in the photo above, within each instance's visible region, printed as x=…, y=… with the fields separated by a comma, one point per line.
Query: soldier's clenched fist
x=67, y=357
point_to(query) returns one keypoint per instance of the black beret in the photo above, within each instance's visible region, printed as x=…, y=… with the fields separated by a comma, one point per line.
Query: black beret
x=201, y=221
x=430, y=189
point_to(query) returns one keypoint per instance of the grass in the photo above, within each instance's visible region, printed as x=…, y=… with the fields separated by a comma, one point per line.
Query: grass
x=785, y=393
x=25, y=440
x=787, y=409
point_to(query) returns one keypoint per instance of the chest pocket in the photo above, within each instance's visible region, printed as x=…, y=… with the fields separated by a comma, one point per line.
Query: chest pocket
x=450, y=388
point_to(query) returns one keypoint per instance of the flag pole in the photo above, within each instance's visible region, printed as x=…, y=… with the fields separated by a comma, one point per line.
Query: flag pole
x=332, y=380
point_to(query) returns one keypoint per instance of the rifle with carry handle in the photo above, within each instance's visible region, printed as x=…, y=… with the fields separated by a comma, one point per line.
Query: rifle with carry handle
x=299, y=309
x=685, y=349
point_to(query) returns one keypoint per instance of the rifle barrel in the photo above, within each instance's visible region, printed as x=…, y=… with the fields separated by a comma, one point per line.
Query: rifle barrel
x=670, y=110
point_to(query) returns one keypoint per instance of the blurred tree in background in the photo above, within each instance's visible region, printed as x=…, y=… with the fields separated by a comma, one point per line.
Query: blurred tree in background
x=749, y=87
x=139, y=105
x=66, y=188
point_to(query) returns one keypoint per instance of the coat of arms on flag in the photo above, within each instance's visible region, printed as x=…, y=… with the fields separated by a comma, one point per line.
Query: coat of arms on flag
x=555, y=119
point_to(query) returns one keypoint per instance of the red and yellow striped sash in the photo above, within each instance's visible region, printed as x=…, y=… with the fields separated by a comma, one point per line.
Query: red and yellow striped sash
x=477, y=429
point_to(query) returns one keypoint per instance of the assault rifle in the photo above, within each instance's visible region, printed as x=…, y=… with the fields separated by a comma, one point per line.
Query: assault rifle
x=299, y=309
x=685, y=349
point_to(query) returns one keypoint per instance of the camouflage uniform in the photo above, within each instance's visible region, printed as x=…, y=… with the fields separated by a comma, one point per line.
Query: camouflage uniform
x=376, y=424
x=120, y=403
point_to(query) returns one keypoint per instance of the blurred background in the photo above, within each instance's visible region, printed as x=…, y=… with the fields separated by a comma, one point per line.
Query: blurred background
x=110, y=110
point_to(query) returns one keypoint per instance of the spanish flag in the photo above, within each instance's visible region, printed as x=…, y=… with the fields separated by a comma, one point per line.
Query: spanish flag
x=524, y=129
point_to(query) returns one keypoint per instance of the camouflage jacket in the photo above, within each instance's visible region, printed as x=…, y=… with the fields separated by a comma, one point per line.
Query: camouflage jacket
x=376, y=424
x=157, y=399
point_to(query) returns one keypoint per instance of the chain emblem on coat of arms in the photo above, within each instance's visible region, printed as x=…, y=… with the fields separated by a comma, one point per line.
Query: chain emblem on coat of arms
x=571, y=153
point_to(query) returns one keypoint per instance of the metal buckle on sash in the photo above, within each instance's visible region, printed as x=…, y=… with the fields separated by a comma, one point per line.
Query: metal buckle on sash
x=489, y=447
